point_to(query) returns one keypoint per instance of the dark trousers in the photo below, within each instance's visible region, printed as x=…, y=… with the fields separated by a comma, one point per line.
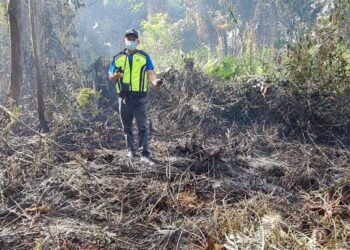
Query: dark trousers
x=130, y=107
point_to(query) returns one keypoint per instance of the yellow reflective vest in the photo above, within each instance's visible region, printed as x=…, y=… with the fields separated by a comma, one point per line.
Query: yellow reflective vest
x=135, y=78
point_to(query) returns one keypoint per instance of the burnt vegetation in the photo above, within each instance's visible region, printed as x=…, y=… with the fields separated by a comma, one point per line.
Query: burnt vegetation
x=250, y=131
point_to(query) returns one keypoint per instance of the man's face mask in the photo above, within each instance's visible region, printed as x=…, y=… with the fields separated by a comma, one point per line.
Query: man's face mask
x=131, y=45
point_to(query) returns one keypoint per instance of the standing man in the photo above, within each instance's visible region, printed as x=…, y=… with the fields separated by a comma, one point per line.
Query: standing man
x=133, y=69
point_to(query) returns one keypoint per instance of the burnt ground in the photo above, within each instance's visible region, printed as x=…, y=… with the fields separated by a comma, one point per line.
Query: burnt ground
x=250, y=164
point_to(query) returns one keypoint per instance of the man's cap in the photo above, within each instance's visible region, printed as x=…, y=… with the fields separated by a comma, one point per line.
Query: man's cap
x=132, y=32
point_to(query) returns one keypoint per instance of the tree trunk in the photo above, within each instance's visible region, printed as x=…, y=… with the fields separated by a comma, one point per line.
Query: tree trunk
x=38, y=68
x=222, y=47
x=205, y=26
x=14, y=10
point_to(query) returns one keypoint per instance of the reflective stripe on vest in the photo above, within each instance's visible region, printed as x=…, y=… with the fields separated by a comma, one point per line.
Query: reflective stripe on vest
x=135, y=79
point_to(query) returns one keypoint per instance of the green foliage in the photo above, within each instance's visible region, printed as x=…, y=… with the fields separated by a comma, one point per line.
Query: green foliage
x=322, y=58
x=87, y=99
x=325, y=64
x=258, y=63
x=228, y=67
x=161, y=39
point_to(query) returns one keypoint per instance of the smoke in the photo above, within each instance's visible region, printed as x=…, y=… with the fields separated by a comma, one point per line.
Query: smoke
x=101, y=26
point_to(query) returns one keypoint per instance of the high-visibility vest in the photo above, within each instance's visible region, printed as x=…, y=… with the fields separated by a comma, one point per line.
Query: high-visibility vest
x=135, y=78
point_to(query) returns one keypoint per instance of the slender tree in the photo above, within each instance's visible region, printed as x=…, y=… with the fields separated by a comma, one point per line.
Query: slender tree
x=38, y=67
x=14, y=10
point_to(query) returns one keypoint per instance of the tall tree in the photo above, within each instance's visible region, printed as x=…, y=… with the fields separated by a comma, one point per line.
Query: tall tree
x=36, y=41
x=14, y=10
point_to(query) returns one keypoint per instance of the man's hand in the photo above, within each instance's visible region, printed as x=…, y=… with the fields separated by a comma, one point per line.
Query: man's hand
x=157, y=82
x=115, y=76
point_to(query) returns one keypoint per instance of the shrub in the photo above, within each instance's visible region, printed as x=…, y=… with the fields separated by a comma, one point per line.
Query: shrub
x=259, y=63
x=87, y=99
x=322, y=58
x=161, y=39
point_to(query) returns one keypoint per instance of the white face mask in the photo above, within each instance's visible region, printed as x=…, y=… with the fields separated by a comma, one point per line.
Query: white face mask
x=131, y=45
